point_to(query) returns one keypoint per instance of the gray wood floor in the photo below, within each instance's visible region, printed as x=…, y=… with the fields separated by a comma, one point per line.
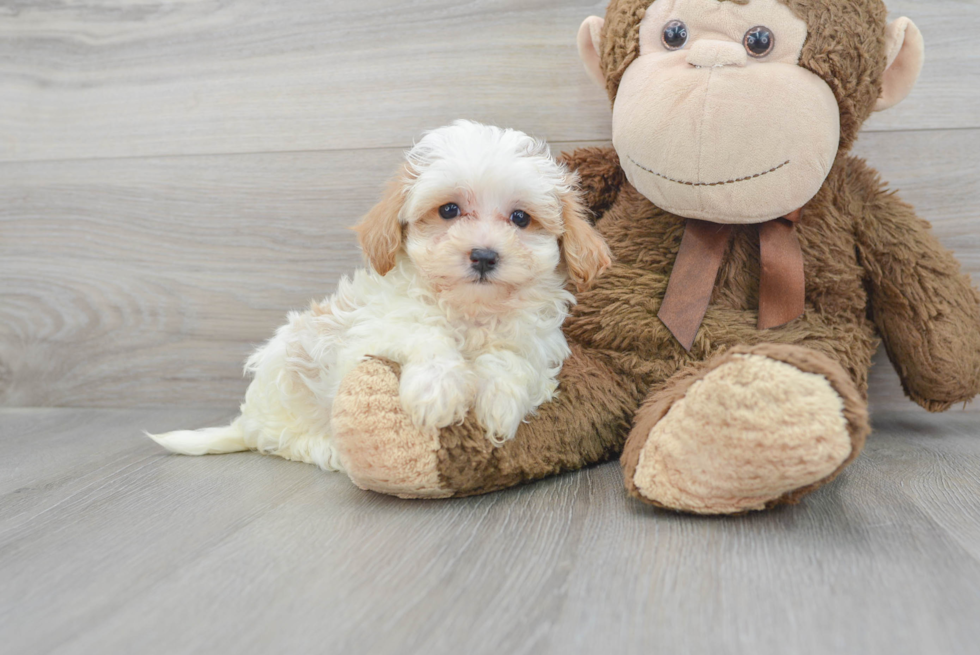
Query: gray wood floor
x=108, y=545
x=175, y=176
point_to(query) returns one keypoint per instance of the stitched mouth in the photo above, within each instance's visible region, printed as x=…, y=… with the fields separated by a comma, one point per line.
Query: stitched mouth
x=735, y=181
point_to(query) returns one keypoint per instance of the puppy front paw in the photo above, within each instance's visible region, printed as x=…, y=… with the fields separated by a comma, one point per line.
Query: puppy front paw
x=502, y=406
x=437, y=393
x=500, y=414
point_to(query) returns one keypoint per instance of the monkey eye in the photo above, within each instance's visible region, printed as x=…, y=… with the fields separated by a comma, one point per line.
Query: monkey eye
x=449, y=211
x=520, y=219
x=675, y=35
x=759, y=41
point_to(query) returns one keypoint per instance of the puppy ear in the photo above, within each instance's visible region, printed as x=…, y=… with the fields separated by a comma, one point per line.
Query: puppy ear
x=585, y=252
x=380, y=232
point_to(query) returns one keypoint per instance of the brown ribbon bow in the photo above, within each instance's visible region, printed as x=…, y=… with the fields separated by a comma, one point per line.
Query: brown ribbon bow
x=781, y=281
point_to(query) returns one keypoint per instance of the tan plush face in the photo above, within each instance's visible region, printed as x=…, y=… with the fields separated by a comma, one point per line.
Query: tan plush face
x=709, y=123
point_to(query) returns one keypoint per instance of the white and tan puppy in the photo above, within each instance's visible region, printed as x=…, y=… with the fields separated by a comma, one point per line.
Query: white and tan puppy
x=470, y=250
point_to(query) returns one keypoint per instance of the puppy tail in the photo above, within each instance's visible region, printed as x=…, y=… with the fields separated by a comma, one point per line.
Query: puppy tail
x=209, y=441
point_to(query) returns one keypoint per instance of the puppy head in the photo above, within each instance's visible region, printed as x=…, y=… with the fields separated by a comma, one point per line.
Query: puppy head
x=483, y=212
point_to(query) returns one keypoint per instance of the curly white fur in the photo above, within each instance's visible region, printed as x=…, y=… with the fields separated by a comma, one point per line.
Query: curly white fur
x=487, y=342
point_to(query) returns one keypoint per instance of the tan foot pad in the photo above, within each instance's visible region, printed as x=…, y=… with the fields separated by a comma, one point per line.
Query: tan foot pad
x=745, y=434
x=379, y=446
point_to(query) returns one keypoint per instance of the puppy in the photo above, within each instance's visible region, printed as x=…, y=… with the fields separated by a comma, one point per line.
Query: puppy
x=470, y=250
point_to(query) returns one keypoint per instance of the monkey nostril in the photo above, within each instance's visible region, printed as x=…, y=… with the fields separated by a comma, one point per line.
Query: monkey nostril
x=483, y=260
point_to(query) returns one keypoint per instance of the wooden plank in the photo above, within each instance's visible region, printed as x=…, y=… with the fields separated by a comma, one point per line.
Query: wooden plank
x=147, y=282
x=939, y=464
x=74, y=452
x=76, y=492
x=117, y=79
x=244, y=553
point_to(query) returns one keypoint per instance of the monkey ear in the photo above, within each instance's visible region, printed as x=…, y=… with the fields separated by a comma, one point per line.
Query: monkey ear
x=589, y=47
x=585, y=251
x=906, y=52
x=380, y=231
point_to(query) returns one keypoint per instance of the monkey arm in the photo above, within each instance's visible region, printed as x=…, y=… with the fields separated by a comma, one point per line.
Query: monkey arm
x=381, y=450
x=924, y=306
x=600, y=176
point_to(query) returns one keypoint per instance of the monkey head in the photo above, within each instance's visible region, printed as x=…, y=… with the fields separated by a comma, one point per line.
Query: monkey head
x=734, y=111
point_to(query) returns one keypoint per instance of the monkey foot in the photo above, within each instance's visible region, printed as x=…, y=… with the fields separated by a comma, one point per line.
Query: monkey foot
x=379, y=446
x=753, y=428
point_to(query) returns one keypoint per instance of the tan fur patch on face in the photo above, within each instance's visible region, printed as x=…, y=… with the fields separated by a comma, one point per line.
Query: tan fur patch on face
x=441, y=248
x=750, y=431
x=430, y=226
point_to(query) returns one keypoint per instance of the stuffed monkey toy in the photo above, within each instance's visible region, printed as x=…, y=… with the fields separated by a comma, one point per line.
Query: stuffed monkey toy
x=725, y=354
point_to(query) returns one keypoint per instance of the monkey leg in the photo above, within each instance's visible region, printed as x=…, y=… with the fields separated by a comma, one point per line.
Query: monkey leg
x=748, y=429
x=382, y=451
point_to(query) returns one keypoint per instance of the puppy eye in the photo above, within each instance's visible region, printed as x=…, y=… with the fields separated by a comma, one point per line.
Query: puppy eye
x=759, y=41
x=675, y=35
x=520, y=219
x=449, y=211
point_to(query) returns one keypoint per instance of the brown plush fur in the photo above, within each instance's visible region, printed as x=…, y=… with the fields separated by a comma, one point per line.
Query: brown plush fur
x=925, y=308
x=873, y=271
x=605, y=177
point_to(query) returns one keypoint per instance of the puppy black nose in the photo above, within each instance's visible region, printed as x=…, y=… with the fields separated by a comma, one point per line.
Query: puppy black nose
x=483, y=260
